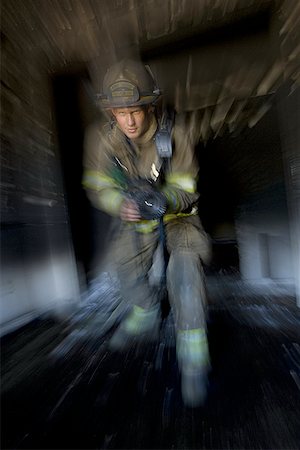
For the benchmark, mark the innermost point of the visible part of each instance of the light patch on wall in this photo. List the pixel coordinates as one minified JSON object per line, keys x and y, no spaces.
{"x":38,"y":287}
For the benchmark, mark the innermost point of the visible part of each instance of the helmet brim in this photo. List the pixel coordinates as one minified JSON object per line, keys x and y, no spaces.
{"x":122,"y":103}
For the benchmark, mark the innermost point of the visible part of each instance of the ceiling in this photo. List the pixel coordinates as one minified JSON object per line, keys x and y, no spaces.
{"x":220,"y":60}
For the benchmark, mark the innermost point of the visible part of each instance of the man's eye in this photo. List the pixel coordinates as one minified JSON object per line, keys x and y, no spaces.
{"x":137,"y":113}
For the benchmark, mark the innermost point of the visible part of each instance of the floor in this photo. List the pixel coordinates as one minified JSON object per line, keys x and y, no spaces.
{"x":63,"y":389}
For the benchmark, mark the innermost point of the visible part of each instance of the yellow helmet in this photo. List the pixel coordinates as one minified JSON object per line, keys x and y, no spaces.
{"x":128,"y":83}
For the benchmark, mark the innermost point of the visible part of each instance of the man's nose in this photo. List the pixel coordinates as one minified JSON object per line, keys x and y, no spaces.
{"x":130,"y":119}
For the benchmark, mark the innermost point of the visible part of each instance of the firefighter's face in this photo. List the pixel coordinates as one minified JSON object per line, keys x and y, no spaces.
{"x":133,"y":121}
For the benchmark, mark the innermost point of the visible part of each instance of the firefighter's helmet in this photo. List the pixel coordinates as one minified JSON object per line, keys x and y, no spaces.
{"x":128,"y":83}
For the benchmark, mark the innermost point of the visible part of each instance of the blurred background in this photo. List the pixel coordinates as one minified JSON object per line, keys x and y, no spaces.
{"x":232,"y":66}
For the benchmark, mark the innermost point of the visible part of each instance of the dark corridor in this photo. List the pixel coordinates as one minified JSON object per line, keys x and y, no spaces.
{"x":70,"y":131}
{"x":73,"y":110}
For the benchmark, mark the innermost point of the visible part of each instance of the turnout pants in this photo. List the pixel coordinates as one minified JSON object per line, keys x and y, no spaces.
{"x":187,"y":245}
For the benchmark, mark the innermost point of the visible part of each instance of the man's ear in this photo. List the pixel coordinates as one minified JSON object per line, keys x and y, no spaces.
{"x":110,"y":116}
{"x":150,"y":109}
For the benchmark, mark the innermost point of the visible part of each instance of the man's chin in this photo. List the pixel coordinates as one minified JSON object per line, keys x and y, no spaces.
{"x":133,"y":135}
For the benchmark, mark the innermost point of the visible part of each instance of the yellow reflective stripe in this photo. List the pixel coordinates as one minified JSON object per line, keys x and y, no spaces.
{"x":92,"y":179}
{"x":172,"y":199}
{"x":169,"y":217}
{"x":182,"y":181}
{"x":192,"y":347}
{"x":110,"y":201}
{"x":147,"y":226}
{"x":195,"y":334}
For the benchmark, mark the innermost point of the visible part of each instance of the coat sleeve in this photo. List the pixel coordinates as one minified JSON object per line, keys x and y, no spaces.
{"x":101,"y":187}
{"x":181,"y":177}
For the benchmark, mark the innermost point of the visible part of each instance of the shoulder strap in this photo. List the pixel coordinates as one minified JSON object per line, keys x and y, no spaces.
{"x":163,"y":138}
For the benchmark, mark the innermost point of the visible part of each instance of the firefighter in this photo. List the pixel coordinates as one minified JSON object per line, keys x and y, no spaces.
{"x":123,"y":153}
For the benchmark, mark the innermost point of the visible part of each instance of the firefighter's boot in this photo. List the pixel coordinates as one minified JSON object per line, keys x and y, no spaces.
{"x":194,"y":363}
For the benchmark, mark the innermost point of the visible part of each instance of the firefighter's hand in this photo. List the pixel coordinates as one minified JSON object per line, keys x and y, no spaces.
{"x":130,"y":211}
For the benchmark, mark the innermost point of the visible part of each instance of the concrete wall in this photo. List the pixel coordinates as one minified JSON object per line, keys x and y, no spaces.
{"x":289,"y":117}
{"x":243,"y":181}
{"x":267,"y":219}
{"x":38,"y":271}
{"x":263,"y":237}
